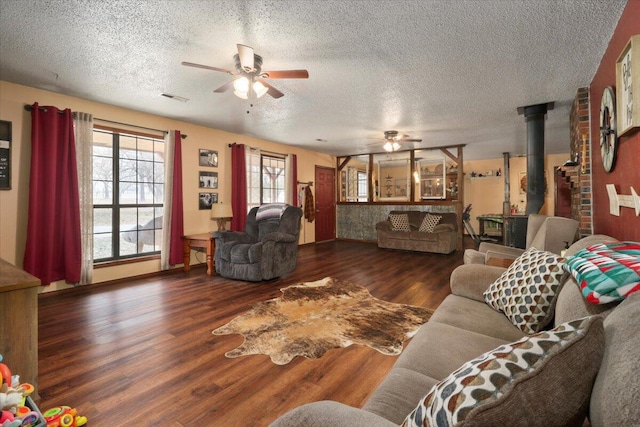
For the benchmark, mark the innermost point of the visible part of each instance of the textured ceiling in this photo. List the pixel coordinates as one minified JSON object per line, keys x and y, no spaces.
{"x":449,"y":72}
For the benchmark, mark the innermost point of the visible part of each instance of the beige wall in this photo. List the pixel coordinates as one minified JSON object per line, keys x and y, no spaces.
{"x":14,"y":203}
{"x":487,"y":194}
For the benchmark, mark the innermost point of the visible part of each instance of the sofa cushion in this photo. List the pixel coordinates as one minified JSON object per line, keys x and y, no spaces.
{"x":607,"y":272}
{"x":399,"y":222}
{"x":397,"y":395}
{"x":475,"y":316}
{"x":544,"y":379}
{"x":438,"y":349}
{"x":443,"y":228}
{"x":571,"y":306}
{"x":527,"y":291}
{"x":429,"y":222}
{"x":325,"y":413}
{"x":616,"y":392}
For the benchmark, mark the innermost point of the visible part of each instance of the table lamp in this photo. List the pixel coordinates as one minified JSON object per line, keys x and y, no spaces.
{"x":221,"y":213}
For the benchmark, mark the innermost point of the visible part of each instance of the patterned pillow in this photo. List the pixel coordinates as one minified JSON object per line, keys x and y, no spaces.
{"x":527,"y":291}
{"x":543,"y":379}
{"x":399,"y":222}
{"x":606,"y":272}
{"x":429,"y":222}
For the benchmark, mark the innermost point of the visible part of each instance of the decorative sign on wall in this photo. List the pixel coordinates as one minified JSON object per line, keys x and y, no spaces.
{"x":5,"y":155}
{"x":628,"y":73}
{"x":616,"y":201}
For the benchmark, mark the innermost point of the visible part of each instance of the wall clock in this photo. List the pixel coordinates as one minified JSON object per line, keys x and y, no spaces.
{"x":628,"y":72}
{"x":608,"y":136}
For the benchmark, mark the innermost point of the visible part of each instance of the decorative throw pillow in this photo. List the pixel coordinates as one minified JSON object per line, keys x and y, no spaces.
{"x":399,"y":222}
{"x":429,"y":222}
{"x":540,"y":380}
{"x":527,"y":291}
{"x":606,"y":272}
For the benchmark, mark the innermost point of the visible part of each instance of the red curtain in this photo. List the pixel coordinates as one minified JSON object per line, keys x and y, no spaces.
{"x":176,"y":254}
{"x":294,"y":178}
{"x":53,"y":249}
{"x":238,"y":187}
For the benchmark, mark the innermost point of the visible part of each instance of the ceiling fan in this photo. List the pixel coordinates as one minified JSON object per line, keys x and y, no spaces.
{"x":251,"y":78}
{"x":392,"y":140}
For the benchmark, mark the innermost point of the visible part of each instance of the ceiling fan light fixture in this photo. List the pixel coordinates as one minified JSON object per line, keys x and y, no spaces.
{"x":241,"y":86}
{"x":387,"y":146}
{"x":241,"y":95}
{"x":396,"y":146}
{"x":259,"y":89}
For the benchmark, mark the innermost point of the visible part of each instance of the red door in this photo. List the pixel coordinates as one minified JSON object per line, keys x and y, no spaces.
{"x":325,"y":204}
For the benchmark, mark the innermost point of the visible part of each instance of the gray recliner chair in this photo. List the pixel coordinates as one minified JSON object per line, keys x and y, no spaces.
{"x":267,"y":249}
{"x":546,"y":233}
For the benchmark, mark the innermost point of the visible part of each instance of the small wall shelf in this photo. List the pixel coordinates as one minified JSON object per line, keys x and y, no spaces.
{"x":484,"y":177}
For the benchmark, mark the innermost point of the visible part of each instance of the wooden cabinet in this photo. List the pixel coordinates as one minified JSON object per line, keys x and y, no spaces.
{"x":19,"y":323}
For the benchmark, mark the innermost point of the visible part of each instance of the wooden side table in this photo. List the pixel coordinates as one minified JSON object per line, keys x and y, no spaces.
{"x":203,"y":241}
{"x":19,"y":323}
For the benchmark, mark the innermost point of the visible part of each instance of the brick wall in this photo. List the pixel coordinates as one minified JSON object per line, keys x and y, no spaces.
{"x":580,"y":176}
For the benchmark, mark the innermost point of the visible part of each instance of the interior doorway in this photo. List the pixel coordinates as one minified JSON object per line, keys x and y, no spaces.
{"x":562,"y":190}
{"x":325,"y":204}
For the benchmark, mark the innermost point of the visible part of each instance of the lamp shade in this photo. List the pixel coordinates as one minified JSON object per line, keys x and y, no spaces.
{"x":221,"y":210}
{"x":259,"y":89}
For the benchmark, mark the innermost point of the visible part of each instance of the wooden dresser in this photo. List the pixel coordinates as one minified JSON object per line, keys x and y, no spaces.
{"x":19,"y":323}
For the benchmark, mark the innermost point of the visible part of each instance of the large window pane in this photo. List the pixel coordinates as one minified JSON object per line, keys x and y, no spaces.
{"x":102,"y":246}
{"x":102,"y":192}
{"x":137,"y":181}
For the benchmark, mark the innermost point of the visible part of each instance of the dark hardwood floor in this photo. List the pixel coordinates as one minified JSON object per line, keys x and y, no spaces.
{"x":141,"y":353}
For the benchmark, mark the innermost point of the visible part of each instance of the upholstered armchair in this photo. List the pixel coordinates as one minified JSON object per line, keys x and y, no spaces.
{"x":547,"y":233}
{"x":268,"y":248}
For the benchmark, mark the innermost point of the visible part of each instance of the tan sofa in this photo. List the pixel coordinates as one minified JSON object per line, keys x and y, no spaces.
{"x":442,"y":240}
{"x":464,"y":326}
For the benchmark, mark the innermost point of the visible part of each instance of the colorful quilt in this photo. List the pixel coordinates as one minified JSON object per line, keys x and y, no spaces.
{"x":606,"y":272}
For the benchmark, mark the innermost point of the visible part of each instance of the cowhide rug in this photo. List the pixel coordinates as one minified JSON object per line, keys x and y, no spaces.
{"x":311,"y":318}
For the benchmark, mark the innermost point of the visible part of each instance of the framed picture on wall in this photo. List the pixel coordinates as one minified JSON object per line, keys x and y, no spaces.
{"x":206,"y":200}
{"x":208,"y":158}
{"x":208,"y":179}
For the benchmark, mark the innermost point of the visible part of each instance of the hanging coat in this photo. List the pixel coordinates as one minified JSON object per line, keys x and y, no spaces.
{"x":309,"y":206}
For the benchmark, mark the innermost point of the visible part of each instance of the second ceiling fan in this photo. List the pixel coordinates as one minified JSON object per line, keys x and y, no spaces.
{"x":251,"y":79}
{"x":392,"y":140}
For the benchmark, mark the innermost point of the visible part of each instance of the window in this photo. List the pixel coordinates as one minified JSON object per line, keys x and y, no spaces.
{"x":363,"y":194}
{"x":128,"y":192}
{"x":265,"y":178}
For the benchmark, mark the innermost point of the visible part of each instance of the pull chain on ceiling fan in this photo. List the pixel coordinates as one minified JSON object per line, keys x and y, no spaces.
{"x":251,"y":79}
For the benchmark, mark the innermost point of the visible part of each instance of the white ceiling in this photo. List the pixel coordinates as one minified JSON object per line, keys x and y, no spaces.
{"x":449,"y":72}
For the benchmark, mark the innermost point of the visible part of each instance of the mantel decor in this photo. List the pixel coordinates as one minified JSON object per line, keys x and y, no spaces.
{"x":628,"y":76}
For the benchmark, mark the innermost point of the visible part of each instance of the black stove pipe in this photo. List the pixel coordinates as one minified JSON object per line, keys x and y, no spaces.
{"x":534,"y":116}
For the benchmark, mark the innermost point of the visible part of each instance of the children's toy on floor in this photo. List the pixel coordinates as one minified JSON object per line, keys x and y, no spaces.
{"x":17,"y":408}
{"x":63,"y":416}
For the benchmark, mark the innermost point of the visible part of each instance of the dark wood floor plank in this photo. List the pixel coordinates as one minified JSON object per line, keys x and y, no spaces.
{"x":141,"y":352}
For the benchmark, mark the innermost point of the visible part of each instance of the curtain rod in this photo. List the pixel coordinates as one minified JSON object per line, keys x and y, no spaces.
{"x":268,"y":153}
{"x":183,"y":136}
{"x":309,"y":183}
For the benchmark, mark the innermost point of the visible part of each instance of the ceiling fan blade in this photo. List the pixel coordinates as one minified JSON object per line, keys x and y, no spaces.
{"x":286,"y":74}
{"x":225,"y":87}
{"x":271,"y":90}
{"x":207,"y":67}
{"x":245,"y":53}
